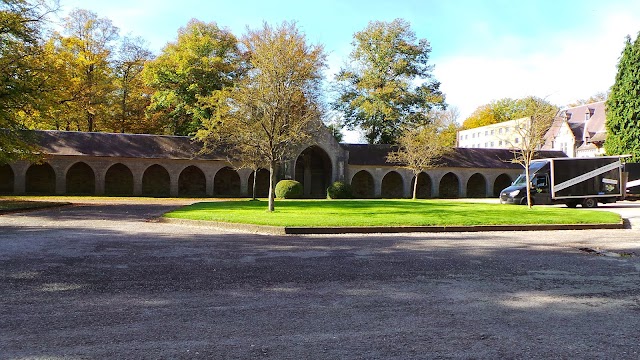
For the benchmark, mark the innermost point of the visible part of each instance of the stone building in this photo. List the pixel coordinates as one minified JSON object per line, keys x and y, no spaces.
{"x":504,"y":135}
{"x":578,"y":131}
{"x":153,"y":165}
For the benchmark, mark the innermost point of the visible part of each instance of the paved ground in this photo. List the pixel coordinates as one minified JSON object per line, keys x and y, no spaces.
{"x":98,"y":281}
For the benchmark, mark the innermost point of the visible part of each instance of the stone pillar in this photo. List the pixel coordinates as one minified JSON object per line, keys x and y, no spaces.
{"x":173,"y":182}
{"x":408,"y":185}
{"x":377,"y":183}
{"x":137,"y":180}
{"x":435,"y":185}
{"x":462,"y":186}
{"x":244,"y":181}
{"x":19,"y":176}
{"x":61,"y":180}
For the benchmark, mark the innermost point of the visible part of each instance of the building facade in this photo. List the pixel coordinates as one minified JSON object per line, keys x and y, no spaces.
{"x":504,"y":135}
{"x":578,"y":131}
{"x":78,"y":163}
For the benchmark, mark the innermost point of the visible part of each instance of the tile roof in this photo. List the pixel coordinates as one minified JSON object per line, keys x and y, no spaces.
{"x":120,"y":145}
{"x":376,"y":155}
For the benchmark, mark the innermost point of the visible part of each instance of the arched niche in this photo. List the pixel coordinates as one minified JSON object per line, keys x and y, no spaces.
{"x":156,"y":181}
{"x":392,"y":186}
{"x":477,"y":186}
{"x":40,"y":180}
{"x":118,"y":181}
{"x":362,"y":185}
{"x":192,"y":182}
{"x":80,"y":180}
{"x":226,"y":183}
{"x":449,"y":187}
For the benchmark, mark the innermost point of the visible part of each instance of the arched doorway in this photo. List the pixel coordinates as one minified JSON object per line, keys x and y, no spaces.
{"x":449,"y":186}
{"x":118,"y":181}
{"x":7,"y":178}
{"x":40,"y":180}
{"x":362,"y":185}
{"x":81,"y":180}
{"x":262,"y":184}
{"x":156,"y":181}
{"x":313,"y":171}
{"x":503,"y":181}
{"x":192,"y":182}
{"x":477,"y":186}
{"x":392,"y":186}
{"x":424,"y":186}
{"x":226,"y":183}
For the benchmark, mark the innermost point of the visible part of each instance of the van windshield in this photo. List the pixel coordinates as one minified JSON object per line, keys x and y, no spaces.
{"x":533,"y":169}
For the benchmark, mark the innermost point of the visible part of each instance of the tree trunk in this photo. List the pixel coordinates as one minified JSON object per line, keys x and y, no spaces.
{"x":415,"y":187}
{"x":272,"y":179}
{"x":526,"y":174}
{"x":255,"y":175}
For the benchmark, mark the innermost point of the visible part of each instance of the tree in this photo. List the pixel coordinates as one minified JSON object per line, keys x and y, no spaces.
{"x":131,"y":97}
{"x":421,"y":149}
{"x":506,"y":109}
{"x":203,"y":59}
{"x":623,"y":105}
{"x":275,"y":107}
{"x":531,"y":138}
{"x":377,"y":91}
{"x":597,"y":97}
{"x":22,"y":76}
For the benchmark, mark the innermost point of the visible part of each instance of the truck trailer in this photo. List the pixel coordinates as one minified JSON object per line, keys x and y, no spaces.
{"x":570,"y":181}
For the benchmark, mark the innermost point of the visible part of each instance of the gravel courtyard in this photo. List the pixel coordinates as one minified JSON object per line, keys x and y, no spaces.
{"x":103,"y":281}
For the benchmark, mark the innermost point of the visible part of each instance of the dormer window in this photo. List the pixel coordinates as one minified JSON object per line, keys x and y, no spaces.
{"x":587,"y":115}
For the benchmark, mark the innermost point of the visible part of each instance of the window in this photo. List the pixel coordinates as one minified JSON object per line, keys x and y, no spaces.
{"x":486,"y":133}
{"x":517,"y":140}
{"x":473,"y":136}
{"x":500,"y":143}
{"x":492,"y":131}
{"x":500,"y":131}
{"x":486,"y":144}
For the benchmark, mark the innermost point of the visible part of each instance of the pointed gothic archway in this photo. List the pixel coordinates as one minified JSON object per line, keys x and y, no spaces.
{"x":192,"y":182}
{"x":362,"y":185}
{"x":392,"y":186}
{"x":156,"y":181}
{"x":502,"y":181}
{"x":424,"y":186}
{"x":7,"y":179}
{"x":81,"y":180}
{"x":226,"y":183}
{"x":262,"y":184}
{"x":313,"y":171}
{"x":40,"y":180}
{"x":449,"y":186}
{"x":118,"y":181}
{"x":477,"y":186}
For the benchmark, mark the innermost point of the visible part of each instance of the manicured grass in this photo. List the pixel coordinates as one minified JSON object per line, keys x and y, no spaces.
{"x":10,"y":205}
{"x":318,"y":213}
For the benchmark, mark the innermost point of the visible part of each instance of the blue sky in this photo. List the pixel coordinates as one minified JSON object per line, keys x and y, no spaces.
{"x":562,"y":50}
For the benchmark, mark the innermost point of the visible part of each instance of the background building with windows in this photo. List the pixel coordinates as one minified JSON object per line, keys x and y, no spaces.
{"x":504,"y":135}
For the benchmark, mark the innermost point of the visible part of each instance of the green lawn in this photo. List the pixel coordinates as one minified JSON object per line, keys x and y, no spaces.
{"x":9,"y":205}
{"x":317,"y":213}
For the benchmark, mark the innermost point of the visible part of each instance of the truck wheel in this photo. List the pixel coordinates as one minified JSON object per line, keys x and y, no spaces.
{"x":571,"y":204}
{"x":589,"y":203}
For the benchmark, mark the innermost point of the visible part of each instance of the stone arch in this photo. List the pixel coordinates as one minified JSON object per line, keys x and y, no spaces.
{"x":262,"y":183}
{"x":392,"y":186}
{"x":449,"y":186}
{"x":424,"y":186}
{"x":502,"y":181}
{"x":156,"y":181}
{"x":192,"y":182}
{"x":477,"y":186}
{"x":40,"y":179}
{"x":7,"y":179}
{"x":118,"y":180}
{"x":362,"y":185}
{"x":226,"y":183}
{"x":313,"y":170}
{"x":80,"y":179}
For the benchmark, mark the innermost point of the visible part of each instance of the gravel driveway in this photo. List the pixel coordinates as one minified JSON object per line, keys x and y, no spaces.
{"x":100,"y":281}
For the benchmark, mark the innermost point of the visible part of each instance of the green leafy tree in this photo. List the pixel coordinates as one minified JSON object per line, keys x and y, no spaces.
{"x":203,"y":59}
{"x":275,"y":107}
{"x":81,"y":57}
{"x":623,"y":105}
{"x":420,"y":149}
{"x":377,"y":91}
{"x":131,"y":96}
{"x":506,"y":109}
{"x":22,"y":72}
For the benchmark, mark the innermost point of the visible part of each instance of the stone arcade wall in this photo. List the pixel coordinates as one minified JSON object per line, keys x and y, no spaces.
{"x":148,"y":165}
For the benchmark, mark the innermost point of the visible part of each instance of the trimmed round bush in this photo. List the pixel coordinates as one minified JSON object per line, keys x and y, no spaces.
{"x":288,"y":189}
{"x":339,"y":190}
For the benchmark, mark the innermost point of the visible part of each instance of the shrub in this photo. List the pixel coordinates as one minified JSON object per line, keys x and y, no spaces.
{"x":288,"y":189}
{"x":339,"y":190}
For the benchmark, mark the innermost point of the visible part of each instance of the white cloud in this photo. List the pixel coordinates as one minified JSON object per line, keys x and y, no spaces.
{"x":567,"y":68}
